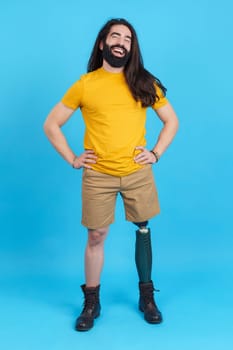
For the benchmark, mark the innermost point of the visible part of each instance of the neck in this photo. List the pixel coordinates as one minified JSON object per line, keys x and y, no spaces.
{"x":111,"y":69}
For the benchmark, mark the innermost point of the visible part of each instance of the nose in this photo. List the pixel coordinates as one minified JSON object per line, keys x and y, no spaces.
{"x":121,"y":41}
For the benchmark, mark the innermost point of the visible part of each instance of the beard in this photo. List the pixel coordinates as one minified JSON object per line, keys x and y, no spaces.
{"x":113,"y":60}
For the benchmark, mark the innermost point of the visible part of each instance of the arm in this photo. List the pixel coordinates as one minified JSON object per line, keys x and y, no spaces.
{"x":59,"y":115}
{"x":170,"y":125}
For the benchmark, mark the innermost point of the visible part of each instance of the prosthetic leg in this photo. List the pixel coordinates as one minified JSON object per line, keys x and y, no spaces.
{"x":143,"y":259}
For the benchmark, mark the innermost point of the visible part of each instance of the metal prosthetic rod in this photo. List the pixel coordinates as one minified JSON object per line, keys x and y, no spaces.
{"x":143,"y":252}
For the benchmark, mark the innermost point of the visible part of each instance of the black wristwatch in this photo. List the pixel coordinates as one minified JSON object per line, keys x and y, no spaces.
{"x":157,"y":156}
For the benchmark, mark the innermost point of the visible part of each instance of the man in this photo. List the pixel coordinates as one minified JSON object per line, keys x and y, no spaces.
{"x":113,"y":97}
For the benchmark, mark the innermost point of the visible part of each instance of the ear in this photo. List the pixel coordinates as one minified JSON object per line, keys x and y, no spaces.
{"x":101,"y":45}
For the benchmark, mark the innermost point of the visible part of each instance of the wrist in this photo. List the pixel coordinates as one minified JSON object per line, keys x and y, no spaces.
{"x":74,"y":159}
{"x":156,"y":155}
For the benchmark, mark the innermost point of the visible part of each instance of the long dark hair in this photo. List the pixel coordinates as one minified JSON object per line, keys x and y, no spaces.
{"x":140,"y":81}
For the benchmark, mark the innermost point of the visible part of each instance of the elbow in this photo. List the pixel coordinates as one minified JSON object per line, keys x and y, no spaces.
{"x":177,"y":124}
{"x":173,"y":125}
{"x":51,"y":129}
{"x":46,"y":127}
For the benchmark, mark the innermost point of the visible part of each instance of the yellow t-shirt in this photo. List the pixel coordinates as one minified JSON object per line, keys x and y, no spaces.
{"x":115,"y":122}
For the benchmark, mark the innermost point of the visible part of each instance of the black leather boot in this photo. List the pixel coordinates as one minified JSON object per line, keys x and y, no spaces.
{"x":147,"y":303}
{"x":91,"y":309}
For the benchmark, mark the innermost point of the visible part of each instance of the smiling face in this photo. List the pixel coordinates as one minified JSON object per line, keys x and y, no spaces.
{"x":120,"y":37}
{"x":117,"y":46}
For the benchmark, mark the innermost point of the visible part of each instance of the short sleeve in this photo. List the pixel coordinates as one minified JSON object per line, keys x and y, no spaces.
{"x":73,"y":95}
{"x":162,"y":99}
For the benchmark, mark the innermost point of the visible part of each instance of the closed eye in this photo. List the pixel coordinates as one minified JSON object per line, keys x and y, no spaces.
{"x":128,"y":39}
{"x":115,"y":35}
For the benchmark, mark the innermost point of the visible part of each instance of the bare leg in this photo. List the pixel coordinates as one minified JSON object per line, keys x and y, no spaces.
{"x":94,"y":256}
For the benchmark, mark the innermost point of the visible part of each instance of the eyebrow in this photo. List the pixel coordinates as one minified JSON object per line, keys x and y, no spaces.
{"x":118,"y":34}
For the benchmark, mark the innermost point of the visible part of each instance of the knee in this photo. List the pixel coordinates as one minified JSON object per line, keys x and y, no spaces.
{"x":96,"y":237}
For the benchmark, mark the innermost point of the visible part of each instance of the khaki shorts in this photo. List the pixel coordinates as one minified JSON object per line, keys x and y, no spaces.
{"x":99,"y":192}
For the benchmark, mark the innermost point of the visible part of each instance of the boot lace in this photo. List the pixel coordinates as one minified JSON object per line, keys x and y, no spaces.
{"x":149,"y":296}
{"x":89,"y":303}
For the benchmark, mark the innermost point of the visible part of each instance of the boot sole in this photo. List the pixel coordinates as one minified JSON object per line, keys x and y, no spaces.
{"x":85,"y":329}
{"x":151,"y":322}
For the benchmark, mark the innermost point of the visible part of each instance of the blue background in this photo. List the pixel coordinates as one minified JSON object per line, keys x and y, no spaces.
{"x":45,"y":47}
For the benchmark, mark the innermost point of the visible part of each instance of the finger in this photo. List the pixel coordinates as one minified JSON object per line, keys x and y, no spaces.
{"x":87,"y":166}
{"x":140,"y":156}
{"x":143,"y":158}
{"x":90,"y":156}
{"x":143,"y":162}
{"x":93,"y":161}
{"x":140,"y":147}
{"x":89,"y":151}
